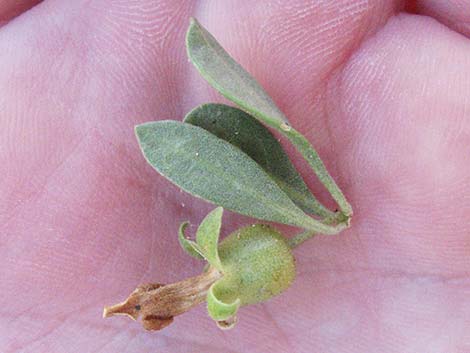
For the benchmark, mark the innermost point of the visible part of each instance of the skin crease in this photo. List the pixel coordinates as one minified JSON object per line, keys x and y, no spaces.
{"x":12,"y":8}
{"x":382,"y":95}
{"x":453,"y":13}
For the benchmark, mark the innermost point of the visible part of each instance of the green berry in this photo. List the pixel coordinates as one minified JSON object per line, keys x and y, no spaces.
{"x":257,"y":264}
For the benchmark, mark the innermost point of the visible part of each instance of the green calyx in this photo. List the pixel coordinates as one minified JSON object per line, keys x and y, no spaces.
{"x":255,"y":263}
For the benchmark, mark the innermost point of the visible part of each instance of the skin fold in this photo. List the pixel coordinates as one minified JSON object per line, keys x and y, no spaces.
{"x":382,"y":94}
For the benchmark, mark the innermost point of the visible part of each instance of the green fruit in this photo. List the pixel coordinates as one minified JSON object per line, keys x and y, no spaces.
{"x":257,"y":264}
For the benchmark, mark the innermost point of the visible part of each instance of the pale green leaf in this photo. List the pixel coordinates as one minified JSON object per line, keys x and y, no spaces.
{"x":216,"y":307}
{"x":229,"y":77}
{"x":207,"y":237}
{"x":235,"y":83}
{"x":215,"y":170}
{"x":189,"y":246}
{"x":245,"y":132}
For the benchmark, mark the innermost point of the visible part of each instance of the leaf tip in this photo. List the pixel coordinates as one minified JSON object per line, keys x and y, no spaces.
{"x":183,"y":226}
{"x":139,"y":130}
{"x":219,"y":211}
{"x":193,"y":21}
{"x":188,"y":245}
{"x":193,"y":24}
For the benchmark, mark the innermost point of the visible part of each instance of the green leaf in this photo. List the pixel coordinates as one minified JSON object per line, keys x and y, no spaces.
{"x":217,"y":308}
{"x":213,"y":169}
{"x":189,"y":246}
{"x":235,"y":83}
{"x":245,"y":132}
{"x":207,"y":237}
{"x":228,"y":77}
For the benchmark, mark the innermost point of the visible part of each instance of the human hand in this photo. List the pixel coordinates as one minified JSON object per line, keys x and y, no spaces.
{"x":84,"y":219}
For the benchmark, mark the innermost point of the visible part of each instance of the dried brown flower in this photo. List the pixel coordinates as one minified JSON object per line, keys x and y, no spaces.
{"x":157,"y":304}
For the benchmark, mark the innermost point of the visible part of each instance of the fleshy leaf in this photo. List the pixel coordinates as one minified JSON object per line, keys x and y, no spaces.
{"x":215,"y":170}
{"x":189,"y":246}
{"x":217,"y":308}
{"x":207,"y":236}
{"x":229,"y":77}
{"x":245,"y":132}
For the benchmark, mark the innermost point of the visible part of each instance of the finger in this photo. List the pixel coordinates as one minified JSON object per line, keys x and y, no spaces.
{"x":317,"y":36}
{"x":403,"y":116}
{"x":9,"y":9}
{"x":453,"y":13}
{"x":399,"y":112}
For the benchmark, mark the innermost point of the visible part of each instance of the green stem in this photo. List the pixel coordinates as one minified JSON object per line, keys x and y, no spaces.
{"x":342,"y":222}
{"x":298,"y":239}
{"x":324,"y":226}
{"x":313,"y":159}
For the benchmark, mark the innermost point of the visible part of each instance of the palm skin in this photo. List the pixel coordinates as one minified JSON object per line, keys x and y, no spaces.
{"x":84,"y":219}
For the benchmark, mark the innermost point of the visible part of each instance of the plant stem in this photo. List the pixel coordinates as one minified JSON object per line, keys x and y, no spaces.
{"x":298,"y":239}
{"x":325,"y":226}
{"x":342,"y":222}
{"x":311,"y":156}
{"x":328,"y":226}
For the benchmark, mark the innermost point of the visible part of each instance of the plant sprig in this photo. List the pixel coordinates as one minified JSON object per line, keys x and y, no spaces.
{"x":228,"y":156}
